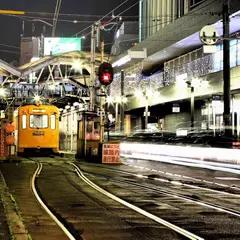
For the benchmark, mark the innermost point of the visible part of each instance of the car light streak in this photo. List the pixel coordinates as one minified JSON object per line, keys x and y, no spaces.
{"x":186,"y":156}
{"x":187,"y":153}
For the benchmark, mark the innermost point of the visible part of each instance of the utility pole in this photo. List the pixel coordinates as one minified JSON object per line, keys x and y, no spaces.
{"x":146,"y":112}
{"x":192,"y":107}
{"x":226,"y":69}
{"x":102,"y":99}
{"x":92,"y":76}
{"x":122,"y":105}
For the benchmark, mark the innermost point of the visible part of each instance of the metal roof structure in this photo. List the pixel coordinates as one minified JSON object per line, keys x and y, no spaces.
{"x":68,"y":87}
{"x":64,"y":59}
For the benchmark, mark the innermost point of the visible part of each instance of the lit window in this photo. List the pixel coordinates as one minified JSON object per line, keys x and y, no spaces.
{"x":24,"y":121}
{"x":38,"y":121}
{"x":53,"y":122}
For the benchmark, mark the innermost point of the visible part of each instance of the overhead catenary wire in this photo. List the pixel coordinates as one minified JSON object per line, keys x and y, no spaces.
{"x":55,"y":18}
{"x":76,"y":34}
{"x":9,"y":51}
{"x":9,"y":46}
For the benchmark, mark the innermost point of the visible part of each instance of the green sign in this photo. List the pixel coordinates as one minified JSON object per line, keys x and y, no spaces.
{"x":61,"y":45}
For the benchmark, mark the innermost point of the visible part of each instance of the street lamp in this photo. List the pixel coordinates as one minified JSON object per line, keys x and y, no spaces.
{"x":192,"y":84}
{"x":117,"y":100}
{"x":146,"y":95}
{"x":40,"y":20}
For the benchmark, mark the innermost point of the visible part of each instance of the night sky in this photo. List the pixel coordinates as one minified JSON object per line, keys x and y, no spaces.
{"x":11,"y":27}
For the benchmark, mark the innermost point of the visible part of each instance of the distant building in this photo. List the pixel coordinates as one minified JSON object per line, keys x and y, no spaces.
{"x":30,"y":48}
{"x":156,"y":14}
{"x":126,"y":37}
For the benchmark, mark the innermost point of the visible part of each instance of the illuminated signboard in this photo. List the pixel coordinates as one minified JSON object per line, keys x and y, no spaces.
{"x":61,"y":45}
{"x":111,"y":153}
{"x":3,"y":147}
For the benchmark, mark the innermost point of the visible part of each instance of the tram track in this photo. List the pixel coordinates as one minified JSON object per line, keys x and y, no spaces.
{"x":167,"y":224}
{"x":21,"y":179}
{"x":172,"y":194}
{"x":168,"y":194}
{"x":57,"y":183}
{"x":44,"y":206}
{"x":149,"y":216}
{"x":180,"y":180}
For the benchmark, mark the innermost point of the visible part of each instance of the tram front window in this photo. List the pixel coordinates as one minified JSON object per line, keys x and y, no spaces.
{"x":38,"y":121}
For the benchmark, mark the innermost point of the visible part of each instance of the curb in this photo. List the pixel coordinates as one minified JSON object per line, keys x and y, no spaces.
{"x":17,"y":228}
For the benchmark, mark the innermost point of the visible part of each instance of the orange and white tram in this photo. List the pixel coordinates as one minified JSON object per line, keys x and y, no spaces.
{"x":37,"y":128}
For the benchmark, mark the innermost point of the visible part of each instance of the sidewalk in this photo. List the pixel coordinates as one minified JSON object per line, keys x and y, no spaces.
{"x":10,"y":222}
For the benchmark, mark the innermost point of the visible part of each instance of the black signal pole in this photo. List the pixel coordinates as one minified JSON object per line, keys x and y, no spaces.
{"x":226,"y":69}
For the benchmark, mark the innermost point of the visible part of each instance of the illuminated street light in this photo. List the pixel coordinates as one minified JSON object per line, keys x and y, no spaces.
{"x":124,"y":100}
{"x":148,"y":94}
{"x":195,"y":83}
{"x":118,"y":99}
{"x":2,"y":92}
{"x":156,"y":94}
{"x":183,"y":82}
{"x":37,"y":98}
{"x":138,"y":94}
{"x":109,"y":99}
{"x":204,"y":84}
{"x":77,"y":65}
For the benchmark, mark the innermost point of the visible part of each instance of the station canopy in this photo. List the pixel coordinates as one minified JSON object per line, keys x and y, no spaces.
{"x":63,"y":59}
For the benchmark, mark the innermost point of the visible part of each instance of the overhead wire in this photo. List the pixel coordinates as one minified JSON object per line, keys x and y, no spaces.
{"x":9,"y":46}
{"x":44,"y":18}
{"x":55,"y":18}
{"x":9,"y":51}
{"x":76,"y":34}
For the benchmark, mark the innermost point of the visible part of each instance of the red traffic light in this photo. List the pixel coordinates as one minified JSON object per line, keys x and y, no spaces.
{"x":106,"y":77}
{"x":105,"y":73}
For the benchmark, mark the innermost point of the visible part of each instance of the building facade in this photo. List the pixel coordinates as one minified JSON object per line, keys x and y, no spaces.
{"x":156,"y":14}
{"x":178,"y":52}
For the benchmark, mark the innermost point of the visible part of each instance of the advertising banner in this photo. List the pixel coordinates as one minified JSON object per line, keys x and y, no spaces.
{"x":3,"y":145}
{"x":111,"y":153}
{"x":61,"y":45}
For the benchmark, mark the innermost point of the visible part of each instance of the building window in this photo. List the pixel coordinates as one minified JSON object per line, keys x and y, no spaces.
{"x":195,"y":3}
{"x":38,"y":121}
{"x":24,"y":121}
{"x":53,"y":122}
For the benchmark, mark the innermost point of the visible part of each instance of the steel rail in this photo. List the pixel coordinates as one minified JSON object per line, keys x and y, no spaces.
{"x":33,"y":182}
{"x":175,"y":228}
{"x":180,"y":196}
{"x":173,"y":181}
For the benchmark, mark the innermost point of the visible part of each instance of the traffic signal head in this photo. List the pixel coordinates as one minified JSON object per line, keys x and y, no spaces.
{"x":105,"y":73}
